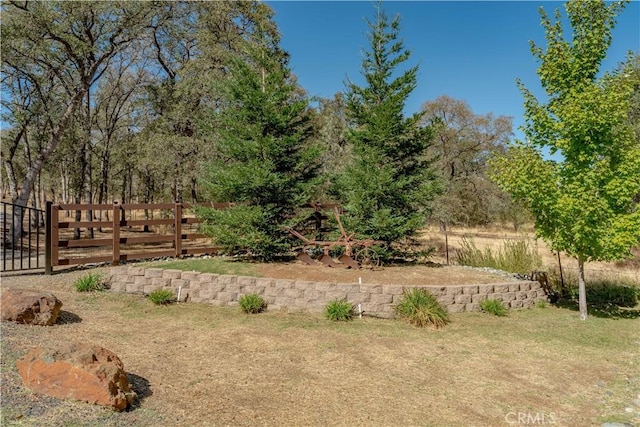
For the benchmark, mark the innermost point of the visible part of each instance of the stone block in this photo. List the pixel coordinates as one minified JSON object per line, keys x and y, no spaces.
{"x":498,"y":297}
{"x":191,"y":276}
{"x":264,"y":282}
{"x":535,"y":285}
{"x":285,"y":284}
{"x":208,"y":278}
{"x":161,"y":282}
{"x":294,"y":293}
{"x":303,"y":284}
{"x":446,"y":299}
{"x":372,"y":289}
{"x":176,"y":283}
{"x":472,"y":307}
{"x":462,"y":299}
{"x":541,"y":293}
{"x":509,"y":296}
{"x":141,"y":280}
{"x":226,"y":279}
{"x":525,"y":286}
{"x":231,"y":287}
{"x":532,"y":294}
{"x":358,"y":297}
{"x":392,"y":290}
{"x":528,"y":303}
{"x":153,"y":272}
{"x":313,"y":294}
{"x":381,"y":299}
{"x":485,"y":289}
{"x":514,"y":287}
{"x":336,"y":295}
{"x":471,"y":290}
{"x":436,"y":291}
{"x":133,"y":288}
{"x":325,"y":286}
{"x":456,"y":308}
{"x":246,"y":281}
{"x":454,"y":290}
{"x":397,"y":298}
{"x":171,"y":274}
{"x":522,"y":295}
{"x":516,"y":304}
{"x":226,"y":297}
{"x":118,"y":287}
{"x":501,"y":289}
{"x":348,"y":287}
{"x":478,"y":298}
{"x":135,"y":271}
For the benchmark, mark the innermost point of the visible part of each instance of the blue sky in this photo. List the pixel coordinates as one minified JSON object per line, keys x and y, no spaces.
{"x":470,"y":50}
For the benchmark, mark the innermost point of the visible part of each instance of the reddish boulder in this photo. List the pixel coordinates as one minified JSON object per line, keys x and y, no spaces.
{"x":31,"y":307}
{"x":78,"y":371}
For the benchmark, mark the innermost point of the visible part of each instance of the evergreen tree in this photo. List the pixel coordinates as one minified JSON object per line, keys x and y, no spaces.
{"x":388,"y":187}
{"x":265,"y":163}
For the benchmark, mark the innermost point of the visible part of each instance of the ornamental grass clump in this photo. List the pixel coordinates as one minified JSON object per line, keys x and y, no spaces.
{"x":340,"y":310}
{"x":252,"y":303}
{"x":493,"y":306}
{"x":162,"y":297}
{"x":92,"y":282}
{"x":420,"y":308}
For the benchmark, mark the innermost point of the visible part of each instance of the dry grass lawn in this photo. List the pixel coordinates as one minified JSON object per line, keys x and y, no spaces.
{"x":198,"y":365}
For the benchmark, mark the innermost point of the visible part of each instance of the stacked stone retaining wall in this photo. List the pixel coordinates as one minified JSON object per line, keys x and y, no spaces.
{"x":375,"y":300}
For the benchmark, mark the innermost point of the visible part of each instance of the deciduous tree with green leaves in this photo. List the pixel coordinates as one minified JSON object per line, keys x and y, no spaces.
{"x":584,"y":204}
{"x":388,"y":187}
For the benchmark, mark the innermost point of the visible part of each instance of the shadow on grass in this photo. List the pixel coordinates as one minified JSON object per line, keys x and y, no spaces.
{"x":67,"y":318}
{"x":605,"y":311}
{"x":141,"y":386}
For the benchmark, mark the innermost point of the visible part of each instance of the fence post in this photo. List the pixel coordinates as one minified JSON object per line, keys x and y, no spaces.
{"x":115,"y":260}
{"x":177,"y":215}
{"x":48,"y":266}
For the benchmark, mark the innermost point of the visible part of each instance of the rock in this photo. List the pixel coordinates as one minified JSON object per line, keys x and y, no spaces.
{"x":30,"y":307}
{"x":78,"y":371}
{"x":616,"y":425}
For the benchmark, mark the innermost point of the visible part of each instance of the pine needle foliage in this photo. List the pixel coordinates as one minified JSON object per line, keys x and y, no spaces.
{"x":266,"y":162}
{"x":387,"y":188}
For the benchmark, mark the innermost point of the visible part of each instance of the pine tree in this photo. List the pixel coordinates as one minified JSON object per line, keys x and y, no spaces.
{"x":387,"y":189}
{"x":265,"y":162}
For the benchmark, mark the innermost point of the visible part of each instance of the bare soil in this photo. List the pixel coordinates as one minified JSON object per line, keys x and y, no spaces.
{"x":408,"y":275}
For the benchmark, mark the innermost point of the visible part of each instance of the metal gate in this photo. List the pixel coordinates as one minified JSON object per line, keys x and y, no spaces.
{"x":23,"y":237}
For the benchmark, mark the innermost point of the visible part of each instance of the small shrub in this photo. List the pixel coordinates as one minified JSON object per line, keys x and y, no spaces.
{"x":252,"y":303}
{"x":92,"y":282}
{"x":420,"y":308}
{"x":541,"y":304}
{"x":162,"y":297}
{"x":340,"y":310}
{"x":494,"y":307}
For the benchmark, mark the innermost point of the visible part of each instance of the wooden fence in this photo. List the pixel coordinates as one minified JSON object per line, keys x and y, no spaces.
{"x":115,"y":233}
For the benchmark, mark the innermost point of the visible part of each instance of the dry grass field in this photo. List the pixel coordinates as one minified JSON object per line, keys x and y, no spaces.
{"x":628,"y":270}
{"x":198,"y":365}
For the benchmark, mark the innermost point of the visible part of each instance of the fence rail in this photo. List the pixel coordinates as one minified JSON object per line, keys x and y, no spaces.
{"x":176,"y":232}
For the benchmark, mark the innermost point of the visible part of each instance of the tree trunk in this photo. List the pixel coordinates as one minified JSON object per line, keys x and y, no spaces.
{"x":582,"y":290}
